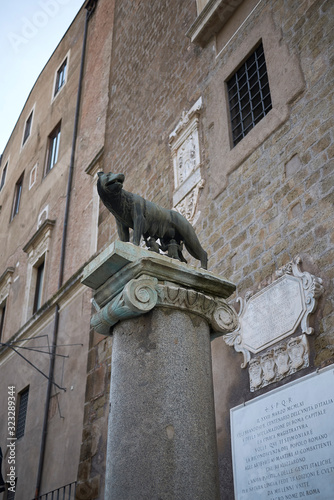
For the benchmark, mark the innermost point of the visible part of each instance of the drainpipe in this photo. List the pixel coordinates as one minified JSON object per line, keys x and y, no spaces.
{"x":90,"y":7}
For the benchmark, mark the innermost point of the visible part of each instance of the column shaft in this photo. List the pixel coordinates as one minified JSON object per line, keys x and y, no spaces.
{"x":161,"y":431}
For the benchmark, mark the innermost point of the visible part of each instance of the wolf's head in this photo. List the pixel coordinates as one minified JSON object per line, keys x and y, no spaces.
{"x":110,"y":183}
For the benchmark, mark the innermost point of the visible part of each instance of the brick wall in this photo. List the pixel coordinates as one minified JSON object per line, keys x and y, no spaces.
{"x":273,"y":205}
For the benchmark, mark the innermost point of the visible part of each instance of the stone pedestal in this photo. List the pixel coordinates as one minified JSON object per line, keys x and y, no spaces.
{"x":162,"y":315}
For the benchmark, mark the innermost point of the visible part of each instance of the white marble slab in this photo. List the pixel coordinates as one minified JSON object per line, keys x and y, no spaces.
{"x":283,"y":442}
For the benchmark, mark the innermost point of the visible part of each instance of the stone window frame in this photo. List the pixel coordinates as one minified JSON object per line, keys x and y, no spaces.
{"x":17,"y":197}
{"x":37,"y":249}
{"x":5,"y":285}
{"x":56,"y":90}
{"x":286,"y":83}
{"x":27,"y":129}
{"x":51,"y":159}
{"x":4,"y":171}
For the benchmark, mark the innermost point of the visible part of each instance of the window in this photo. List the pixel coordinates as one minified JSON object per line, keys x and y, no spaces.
{"x":22,"y":413}
{"x":27,"y":128}
{"x":17,"y":197}
{"x":53,"y":149}
{"x":249,"y":95}
{"x":60,"y":77}
{"x":2,"y":318}
{"x":3,"y":176}
{"x":39,"y":287}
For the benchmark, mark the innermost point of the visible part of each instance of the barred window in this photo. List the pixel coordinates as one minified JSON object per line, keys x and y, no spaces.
{"x":249,"y":95}
{"x":22,"y":413}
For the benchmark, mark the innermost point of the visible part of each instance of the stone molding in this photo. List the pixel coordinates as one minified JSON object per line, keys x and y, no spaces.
{"x":39,"y":243}
{"x":121,"y":261}
{"x":276,"y":364}
{"x":5,"y":283}
{"x":211,"y":19}
{"x":144,"y":293}
{"x":307,"y":290}
{"x":37,"y":249}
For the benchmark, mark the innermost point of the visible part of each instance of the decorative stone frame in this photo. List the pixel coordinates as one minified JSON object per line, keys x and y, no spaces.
{"x":37,"y":248}
{"x":185,"y":149}
{"x":270,"y":309}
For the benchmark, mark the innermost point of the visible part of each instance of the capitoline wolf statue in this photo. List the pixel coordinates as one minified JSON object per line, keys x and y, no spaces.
{"x":148,"y":220}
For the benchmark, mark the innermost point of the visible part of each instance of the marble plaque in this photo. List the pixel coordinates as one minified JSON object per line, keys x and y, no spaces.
{"x":275,"y":312}
{"x":283,"y":442}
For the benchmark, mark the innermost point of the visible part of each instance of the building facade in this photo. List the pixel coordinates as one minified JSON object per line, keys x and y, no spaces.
{"x":49,"y":212}
{"x":220,"y":109}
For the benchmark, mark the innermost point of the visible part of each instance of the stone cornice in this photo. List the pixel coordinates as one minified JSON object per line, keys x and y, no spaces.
{"x":210,"y":21}
{"x":130,"y":281}
{"x":39,"y":235}
{"x":5,"y":275}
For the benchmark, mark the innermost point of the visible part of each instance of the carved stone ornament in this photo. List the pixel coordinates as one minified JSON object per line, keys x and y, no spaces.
{"x":185,"y":150}
{"x":143,"y":294}
{"x":275,"y":312}
{"x":188,"y":205}
{"x":279,"y":362}
{"x":138,"y":297}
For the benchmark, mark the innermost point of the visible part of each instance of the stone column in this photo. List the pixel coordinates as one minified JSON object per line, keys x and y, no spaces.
{"x":161,"y":429}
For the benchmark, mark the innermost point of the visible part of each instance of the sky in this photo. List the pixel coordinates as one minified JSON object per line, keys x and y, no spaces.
{"x":30,"y":30}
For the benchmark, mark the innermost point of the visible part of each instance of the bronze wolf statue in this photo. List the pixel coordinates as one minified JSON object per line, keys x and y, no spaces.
{"x":148,"y":220}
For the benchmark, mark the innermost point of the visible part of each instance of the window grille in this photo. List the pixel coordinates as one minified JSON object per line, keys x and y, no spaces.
{"x":249,"y":95}
{"x":22,"y":413}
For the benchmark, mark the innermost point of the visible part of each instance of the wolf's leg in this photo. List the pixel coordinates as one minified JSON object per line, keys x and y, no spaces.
{"x":123,"y":231}
{"x":204,"y":260}
{"x":138,"y":225}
